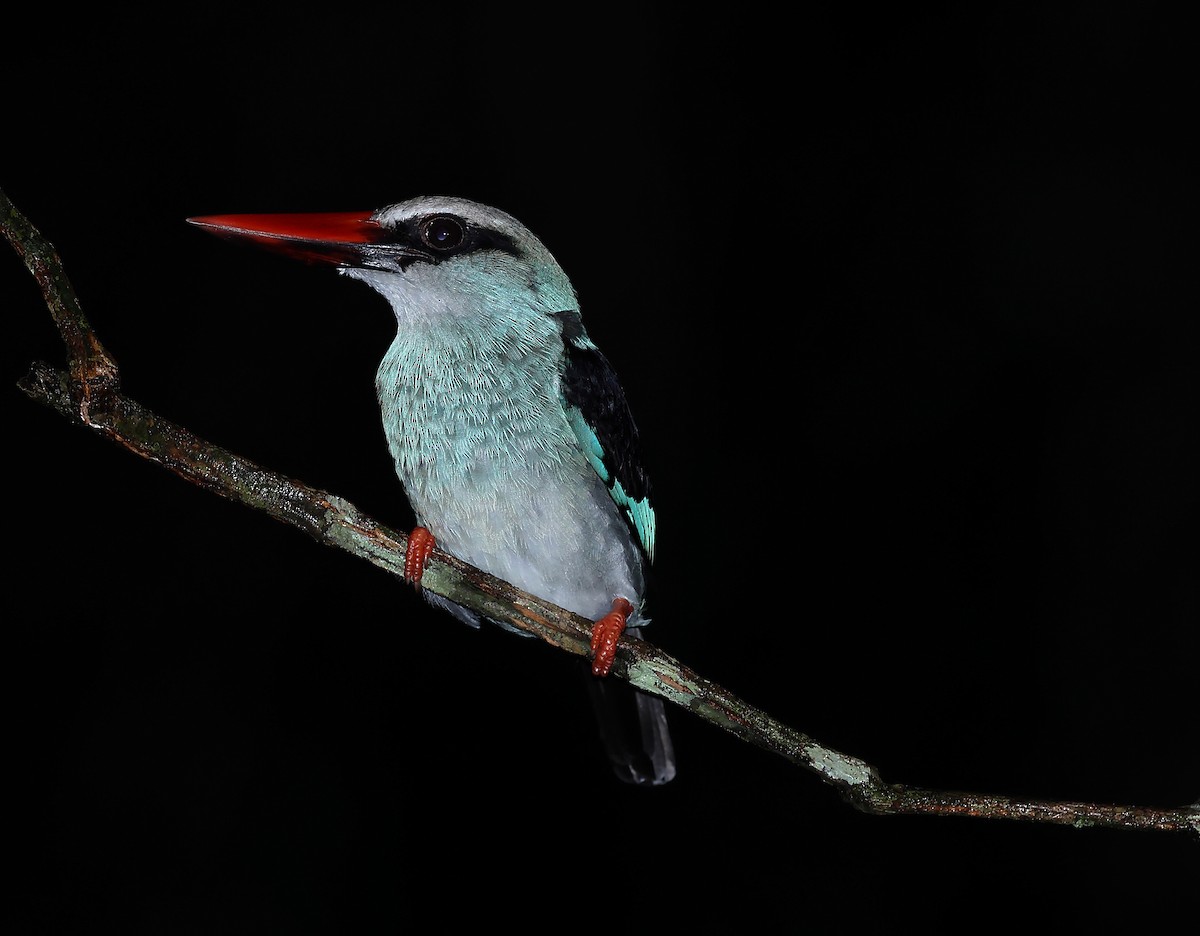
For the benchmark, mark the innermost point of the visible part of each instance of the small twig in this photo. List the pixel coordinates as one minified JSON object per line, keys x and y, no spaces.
{"x":93,"y":371}
{"x":329,"y":519}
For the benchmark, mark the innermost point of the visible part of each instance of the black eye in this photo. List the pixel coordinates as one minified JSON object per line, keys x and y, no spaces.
{"x":442,"y":232}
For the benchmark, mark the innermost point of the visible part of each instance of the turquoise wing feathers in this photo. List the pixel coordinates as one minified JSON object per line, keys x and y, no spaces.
{"x":603,"y":423}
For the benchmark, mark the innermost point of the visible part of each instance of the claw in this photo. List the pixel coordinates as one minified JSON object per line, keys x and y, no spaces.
{"x":605,"y":634}
{"x":420,"y":545}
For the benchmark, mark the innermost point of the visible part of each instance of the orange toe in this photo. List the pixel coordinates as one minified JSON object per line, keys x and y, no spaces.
{"x":605,"y":634}
{"x":420,"y":545}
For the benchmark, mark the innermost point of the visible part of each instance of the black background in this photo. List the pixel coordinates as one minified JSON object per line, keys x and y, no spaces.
{"x":902,"y":303}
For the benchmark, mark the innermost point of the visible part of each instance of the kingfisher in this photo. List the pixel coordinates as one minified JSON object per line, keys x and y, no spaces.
{"x":509,"y":429}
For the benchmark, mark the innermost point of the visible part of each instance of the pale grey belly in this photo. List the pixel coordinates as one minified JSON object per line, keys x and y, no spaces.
{"x":550,"y":529}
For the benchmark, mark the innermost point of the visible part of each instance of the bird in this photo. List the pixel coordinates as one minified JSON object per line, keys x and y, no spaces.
{"x":509,"y":429}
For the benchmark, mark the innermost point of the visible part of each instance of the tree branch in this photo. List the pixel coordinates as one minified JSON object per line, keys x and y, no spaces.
{"x":88,"y":393}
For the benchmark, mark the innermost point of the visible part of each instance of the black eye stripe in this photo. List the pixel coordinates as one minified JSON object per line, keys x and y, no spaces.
{"x":439,"y":237}
{"x":442,"y":232}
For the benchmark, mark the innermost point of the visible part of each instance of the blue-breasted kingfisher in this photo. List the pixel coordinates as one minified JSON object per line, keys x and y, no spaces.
{"x":510,"y":432}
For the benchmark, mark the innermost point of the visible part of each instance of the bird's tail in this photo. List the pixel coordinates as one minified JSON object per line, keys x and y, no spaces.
{"x":634,"y":731}
{"x":633,"y":724}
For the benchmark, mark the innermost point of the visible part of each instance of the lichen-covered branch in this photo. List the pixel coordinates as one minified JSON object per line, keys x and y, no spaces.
{"x":88,"y":393}
{"x":93,"y":372}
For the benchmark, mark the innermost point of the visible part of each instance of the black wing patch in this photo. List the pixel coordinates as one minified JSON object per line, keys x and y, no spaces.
{"x":604,"y":425}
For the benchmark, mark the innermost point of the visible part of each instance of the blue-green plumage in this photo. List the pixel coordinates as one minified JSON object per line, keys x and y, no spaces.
{"x":604,"y":427}
{"x":507,"y":425}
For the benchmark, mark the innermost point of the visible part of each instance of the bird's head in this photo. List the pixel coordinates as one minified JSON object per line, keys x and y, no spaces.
{"x":429,"y":256}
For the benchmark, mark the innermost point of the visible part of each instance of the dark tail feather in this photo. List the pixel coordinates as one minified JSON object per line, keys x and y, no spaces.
{"x":633,"y":728}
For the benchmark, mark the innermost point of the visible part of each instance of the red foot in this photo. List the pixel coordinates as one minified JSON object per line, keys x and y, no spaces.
{"x":605,"y":633}
{"x":420,"y":544}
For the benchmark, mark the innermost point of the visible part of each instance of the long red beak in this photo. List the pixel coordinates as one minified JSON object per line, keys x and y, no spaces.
{"x":323,"y":237}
